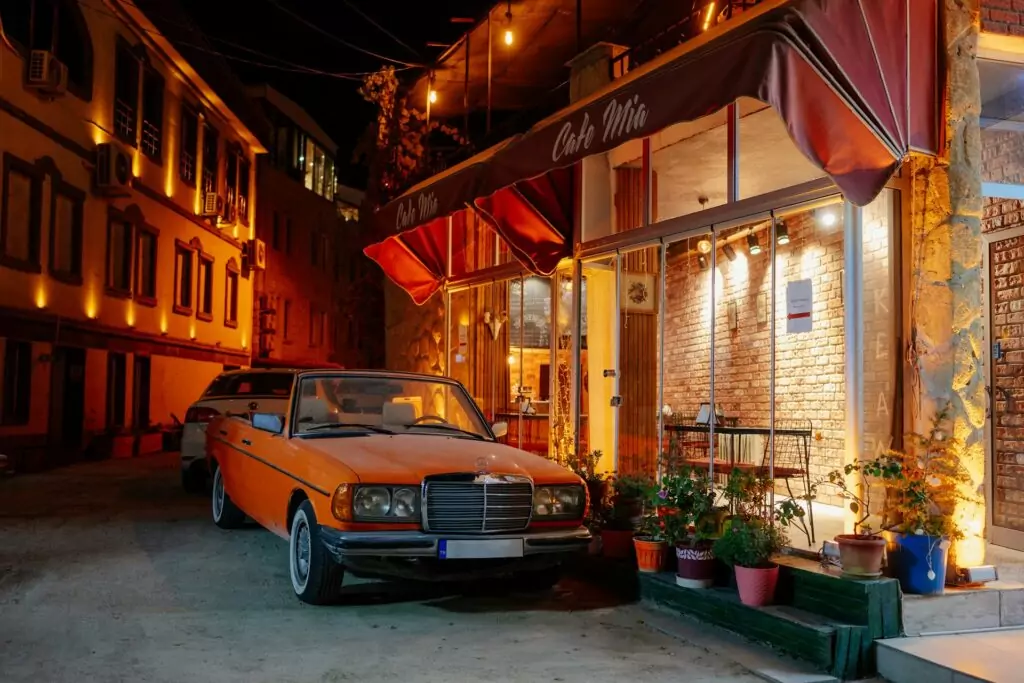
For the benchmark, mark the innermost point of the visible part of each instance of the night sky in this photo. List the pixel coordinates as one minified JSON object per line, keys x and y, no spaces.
{"x":263,"y":32}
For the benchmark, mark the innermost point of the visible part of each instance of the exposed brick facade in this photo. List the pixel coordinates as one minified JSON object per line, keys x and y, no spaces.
{"x":810,"y":367}
{"x":1003,"y":162}
{"x":1003,"y":16}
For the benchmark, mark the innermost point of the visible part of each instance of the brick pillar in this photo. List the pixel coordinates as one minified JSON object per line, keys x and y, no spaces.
{"x":947,"y":333}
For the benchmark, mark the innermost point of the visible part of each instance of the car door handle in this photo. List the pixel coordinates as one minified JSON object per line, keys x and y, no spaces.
{"x":224,"y":432}
{"x":246,"y":442}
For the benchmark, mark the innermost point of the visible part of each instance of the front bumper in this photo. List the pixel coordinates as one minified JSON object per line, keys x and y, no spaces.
{"x":412,"y":544}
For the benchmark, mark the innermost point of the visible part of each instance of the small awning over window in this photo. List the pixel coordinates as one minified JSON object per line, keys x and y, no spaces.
{"x":415,"y":259}
{"x":855,"y":82}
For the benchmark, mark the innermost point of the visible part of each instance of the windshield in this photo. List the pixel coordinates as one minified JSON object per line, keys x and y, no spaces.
{"x":329,"y":403}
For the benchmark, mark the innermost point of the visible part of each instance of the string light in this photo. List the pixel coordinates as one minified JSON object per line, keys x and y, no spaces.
{"x":509,"y":38}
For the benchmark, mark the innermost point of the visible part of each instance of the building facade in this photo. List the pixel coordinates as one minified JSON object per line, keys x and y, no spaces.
{"x":128,"y":209}
{"x":737,"y":260}
{"x":308,"y":309}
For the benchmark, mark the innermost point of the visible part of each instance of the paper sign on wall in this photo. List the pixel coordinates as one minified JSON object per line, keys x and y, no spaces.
{"x":799,"y":301}
{"x":463,"y":350}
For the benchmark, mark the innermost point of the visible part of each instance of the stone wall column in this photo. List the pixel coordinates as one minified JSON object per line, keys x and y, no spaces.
{"x":947,"y":331}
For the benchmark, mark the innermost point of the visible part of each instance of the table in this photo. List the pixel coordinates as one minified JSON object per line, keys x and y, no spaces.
{"x":796,"y":463}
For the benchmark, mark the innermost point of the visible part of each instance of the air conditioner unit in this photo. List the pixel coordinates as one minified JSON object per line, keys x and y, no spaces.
{"x":113,"y":170}
{"x":213,"y":205}
{"x":256,"y":254}
{"x":46,"y":73}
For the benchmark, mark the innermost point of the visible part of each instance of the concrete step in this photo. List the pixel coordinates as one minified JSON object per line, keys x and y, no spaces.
{"x":993,"y":656}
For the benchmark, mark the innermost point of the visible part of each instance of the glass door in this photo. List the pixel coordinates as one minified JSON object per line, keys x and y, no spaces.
{"x":599,"y":386}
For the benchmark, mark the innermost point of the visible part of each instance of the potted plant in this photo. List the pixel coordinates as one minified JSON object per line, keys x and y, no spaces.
{"x":923,"y":503}
{"x":622,"y":516}
{"x":862,"y":552}
{"x":748,"y":546}
{"x":650,"y":544}
{"x":691,"y":496}
{"x":598,"y":512}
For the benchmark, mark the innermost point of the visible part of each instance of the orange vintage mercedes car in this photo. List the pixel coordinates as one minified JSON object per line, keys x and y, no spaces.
{"x":395,"y":475}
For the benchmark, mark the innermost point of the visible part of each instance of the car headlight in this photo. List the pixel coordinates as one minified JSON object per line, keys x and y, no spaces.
{"x":372,"y":501}
{"x":559,"y":502}
{"x":385,"y":504}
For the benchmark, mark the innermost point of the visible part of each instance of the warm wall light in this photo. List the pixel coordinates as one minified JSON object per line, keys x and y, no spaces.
{"x":781,"y":233}
{"x":729,"y":252}
{"x":129,"y":316}
{"x":708,"y":14}
{"x":753,"y":246}
{"x":40,"y":296}
{"x":827,"y":217}
{"x":511,"y":359}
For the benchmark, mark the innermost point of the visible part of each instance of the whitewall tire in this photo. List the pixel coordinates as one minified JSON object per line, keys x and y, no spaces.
{"x":225,"y":513}
{"x":316,"y":577}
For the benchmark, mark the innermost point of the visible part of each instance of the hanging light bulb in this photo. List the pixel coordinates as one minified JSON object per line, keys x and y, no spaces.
{"x":781,"y":234}
{"x":432,"y":96}
{"x":509,"y":38}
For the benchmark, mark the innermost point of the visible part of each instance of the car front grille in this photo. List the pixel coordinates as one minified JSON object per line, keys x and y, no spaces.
{"x":474,"y":504}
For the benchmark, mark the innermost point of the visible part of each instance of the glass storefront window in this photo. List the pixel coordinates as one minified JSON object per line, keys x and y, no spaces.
{"x":689,"y":161}
{"x":768,"y":158}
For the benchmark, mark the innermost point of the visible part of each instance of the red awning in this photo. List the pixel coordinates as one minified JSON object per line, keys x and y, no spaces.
{"x":414,"y":259}
{"x":534,"y":217}
{"x":838,"y":72}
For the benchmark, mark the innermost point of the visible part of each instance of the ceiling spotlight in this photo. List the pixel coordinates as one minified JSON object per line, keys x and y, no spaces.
{"x":753,"y":246}
{"x":729,"y":252}
{"x":702,"y":261}
{"x":827,"y":217}
{"x":704,"y":247}
{"x":781,"y":233}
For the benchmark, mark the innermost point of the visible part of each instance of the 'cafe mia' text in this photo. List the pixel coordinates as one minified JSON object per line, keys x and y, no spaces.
{"x":617,"y":121}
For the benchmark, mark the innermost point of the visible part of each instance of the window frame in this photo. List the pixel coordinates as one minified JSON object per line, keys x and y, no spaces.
{"x":62,"y":188}
{"x":82,"y":89}
{"x":203,"y":286}
{"x":214,"y":169}
{"x":244,"y":174}
{"x":179,"y":308}
{"x":130,"y":137}
{"x":190,"y":114}
{"x":154,"y":152}
{"x":232,"y":279}
{"x":144,"y":299}
{"x":21,"y":412}
{"x":114,"y":216}
{"x":15,"y":164}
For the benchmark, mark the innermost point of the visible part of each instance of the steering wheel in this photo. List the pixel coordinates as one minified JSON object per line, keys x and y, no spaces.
{"x":424,"y":418}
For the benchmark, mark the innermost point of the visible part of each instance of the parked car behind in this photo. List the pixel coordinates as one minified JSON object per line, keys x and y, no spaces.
{"x":233,"y":393}
{"x":393,"y":475}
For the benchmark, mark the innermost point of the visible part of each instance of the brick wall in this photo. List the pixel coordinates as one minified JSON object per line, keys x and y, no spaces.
{"x":1003,"y":16}
{"x":810,"y":367}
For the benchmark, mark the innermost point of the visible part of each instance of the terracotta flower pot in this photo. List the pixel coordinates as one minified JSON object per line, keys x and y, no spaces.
{"x":756,"y":586}
{"x":695,"y":566}
{"x":617,"y":544}
{"x":861,"y":555}
{"x":650,"y":555}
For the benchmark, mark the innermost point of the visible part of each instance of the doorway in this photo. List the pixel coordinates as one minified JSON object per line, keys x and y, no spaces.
{"x":1006,"y":372}
{"x":67,"y":402}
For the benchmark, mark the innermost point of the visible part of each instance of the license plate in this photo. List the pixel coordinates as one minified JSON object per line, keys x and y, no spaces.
{"x":482,"y":549}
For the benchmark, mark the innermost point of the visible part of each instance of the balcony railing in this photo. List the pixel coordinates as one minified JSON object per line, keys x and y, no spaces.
{"x":703,"y":16}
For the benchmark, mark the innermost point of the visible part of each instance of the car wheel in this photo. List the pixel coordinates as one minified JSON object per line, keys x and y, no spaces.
{"x":316,"y":577}
{"x":538,"y":579}
{"x":226,"y":514}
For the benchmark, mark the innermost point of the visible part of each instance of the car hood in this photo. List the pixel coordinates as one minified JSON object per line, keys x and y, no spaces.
{"x":408,"y":458}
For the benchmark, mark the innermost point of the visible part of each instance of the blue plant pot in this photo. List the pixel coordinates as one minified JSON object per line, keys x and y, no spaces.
{"x":919,"y":562}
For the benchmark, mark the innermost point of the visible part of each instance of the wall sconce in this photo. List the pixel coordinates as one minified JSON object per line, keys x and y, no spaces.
{"x":729,"y":252}
{"x":494,"y":321}
{"x":781,"y":234}
{"x":753,"y":246}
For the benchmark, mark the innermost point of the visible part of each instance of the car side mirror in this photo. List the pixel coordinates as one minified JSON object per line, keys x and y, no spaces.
{"x":500,"y":429}
{"x":268,"y":422}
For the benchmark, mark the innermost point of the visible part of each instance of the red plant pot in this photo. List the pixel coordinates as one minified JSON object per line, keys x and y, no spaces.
{"x":617,"y":544}
{"x":650,"y":555}
{"x":756,"y":586}
{"x":695,"y":566}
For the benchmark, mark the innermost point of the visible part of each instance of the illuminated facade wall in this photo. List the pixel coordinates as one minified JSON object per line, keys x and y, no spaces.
{"x":142,"y":278}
